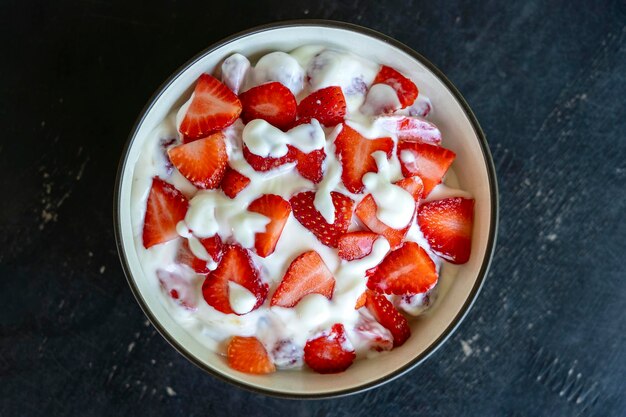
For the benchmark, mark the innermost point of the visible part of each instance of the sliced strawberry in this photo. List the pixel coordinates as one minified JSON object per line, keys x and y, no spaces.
{"x":405,"y":88}
{"x":277,"y":209}
{"x":429,"y":162}
{"x":166,"y":206}
{"x":236,"y":266}
{"x":413,"y":185}
{"x":327,"y":105}
{"x":203,"y":162}
{"x":307,"y":274}
{"x":356,"y":245}
{"x":186,"y":257}
{"x":386,"y":314}
{"x":233,"y":182}
{"x":366,"y":212}
{"x":309,"y":165}
{"x":406,"y":270}
{"x":411,"y":129}
{"x":262,"y":164}
{"x":378,"y":337}
{"x":247,"y":354}
{"x":306,"y":213}
{"x":328,"y":354}
{"x":213,"y":107}
{"x":447,"y":225}
{"x":213,"y":246}
{"x":355,"y":153}
{"x":272,"y":102}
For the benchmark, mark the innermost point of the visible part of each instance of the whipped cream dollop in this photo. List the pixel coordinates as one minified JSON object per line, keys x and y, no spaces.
{"x":265,"y":140}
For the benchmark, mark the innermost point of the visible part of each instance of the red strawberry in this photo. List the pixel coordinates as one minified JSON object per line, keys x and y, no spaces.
{"x":277,"y":209}
{"x":304,"y":211}
{"x":413,"y":185}
{"x":430,"y":162}
{"x":356,"y":245}
{"x":247,"y":354}
{"x":186,"y":257}
{"x":213,"y":107}
{"x":203,"y":162}
{"x":386,"y":314}
{"x":355,"y":152}
{"x":405,"y":88}
{"x":378,"y":337}
{"x":307,"y":274}
{"x":272,"y":102}
{"x":213,"y":246}
{"x":310,"y":164}
{"x":236,"y":266}
{"x":166,"y":206}
{"x":327,"y":105}
{"x":233,"y":182}
{"x":447,"y":225}
{"x":412,"y":129}
{"x":260,"y":163}
{"x":406,"y":270}
{"x":328,"y":354}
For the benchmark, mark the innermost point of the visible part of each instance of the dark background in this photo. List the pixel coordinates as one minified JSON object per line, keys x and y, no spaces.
{"x":547,"y":81}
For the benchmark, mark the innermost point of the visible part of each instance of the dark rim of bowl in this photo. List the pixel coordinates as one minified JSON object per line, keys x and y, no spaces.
{"x":493,"y":186}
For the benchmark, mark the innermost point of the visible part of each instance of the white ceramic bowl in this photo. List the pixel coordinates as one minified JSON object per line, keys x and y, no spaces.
{"x":473,"y":166}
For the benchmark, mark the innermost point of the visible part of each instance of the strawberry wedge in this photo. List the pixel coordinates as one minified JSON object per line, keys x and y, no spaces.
{"x":328,"y":354}
{"x":429,"y":162}
{"x":247,"y":354}
{"x":272,"y":102}
{"x":278,"y":210}
{"x":327,"y":105}
{"x":203,"y":161}
{"x":166,"y":206}
{"x":405,"y":88}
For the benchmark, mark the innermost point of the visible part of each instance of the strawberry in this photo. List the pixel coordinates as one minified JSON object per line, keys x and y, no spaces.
{"x":185,"y":256}
{"x":203,"y":162}
{"x":355,"y":153}
{"x":406,"y":270}
{"x":166,"y":206}
{"x":413,"y":185}
{"x":262,"y":164}
{"x":328,"y":354}
{"x":378,"y":337}
{"x":327,"y":105}
{"x":213,"y":107}
{"x":180,"y":288}
{"x":405,"y":88}
{"x":304,"y":211}
{"x":386,"y":314}
{"x":272,"y":102}
{"x":247,"y":354}
{"x":236,"y":266}
{"x":213,"y":246}
{"x":277,"y":209}
{"x":429,"y":162}
{"x":356,"y":245}
{"x":307,"y":274}
{"x":447,"y":225}
{"x":411,"y":129}
{"x":233,"y":182}
{"x":309,"y":165}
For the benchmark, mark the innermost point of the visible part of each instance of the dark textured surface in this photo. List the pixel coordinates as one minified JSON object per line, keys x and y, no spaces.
{"x":547,"y":81}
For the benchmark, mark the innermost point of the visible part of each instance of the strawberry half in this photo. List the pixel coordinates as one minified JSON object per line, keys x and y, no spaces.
{"x":429,"y":162}
{"x":185,"y":256}
{"x":166,"y":206}
{"x":213,"y":246}
{"x":406,"y":270}
{"x":405,"y":88}
{"x":262,"y":164}
{"x":236,"y":266}
{"x":327,"y":105}
{"x":307,"y":274}
{"x":277,"y":209}
{"x":305,"y":212}
{"x":272,"y":102}
{"x":247,"y":354}
{"x":233,"y":182}
{"x":355,"y":152}
{"x":203,"y":161}
{"x":213,"y":107}
{"x":328,"y":354}
{"x":356,"y":245}
{"x":447,"y":225}
{"x":386,"y":314}
{"x":411,"y":129}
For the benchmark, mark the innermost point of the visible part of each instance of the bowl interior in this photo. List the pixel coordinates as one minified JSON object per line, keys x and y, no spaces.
{"x":472,"y":167}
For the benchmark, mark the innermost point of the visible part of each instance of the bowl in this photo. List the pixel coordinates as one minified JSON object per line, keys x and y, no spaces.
{"x":473,"y":167}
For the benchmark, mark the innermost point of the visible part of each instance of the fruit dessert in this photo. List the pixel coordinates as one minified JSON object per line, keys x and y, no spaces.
{"x":293,"y":214}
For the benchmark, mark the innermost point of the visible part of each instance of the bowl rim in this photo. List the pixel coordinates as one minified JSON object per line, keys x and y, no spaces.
{"x":493,"y":227}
